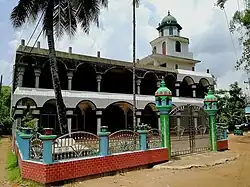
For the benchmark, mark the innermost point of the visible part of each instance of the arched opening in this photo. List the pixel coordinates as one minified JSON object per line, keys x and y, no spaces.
{"x":84,"y":78}
{"x":46,"y":78}
{"x":85,"y":120}
{"x":164,"y":50}
{"x":149,"y":116}
{"x":48,"y":117}
{"x":177,"y":46}
{"x":186,"y":87}
{"x":26,"y":101}
{"x":154,"y":50}
{"x":117,"y":80}
{"x":202,"y":88}
{"x":171,"y":31}
{"x":118,"y":116}
{"x":29,"y":76}
{"x":170,"y":83}
{"x":149,"y":84}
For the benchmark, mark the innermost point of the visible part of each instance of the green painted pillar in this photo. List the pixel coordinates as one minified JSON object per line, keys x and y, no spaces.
{"x":163,"y":100}
{"x":210,"y":105}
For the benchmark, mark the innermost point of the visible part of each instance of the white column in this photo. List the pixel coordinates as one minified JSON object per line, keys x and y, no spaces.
{"x":21,"y":71}
{"x":194,"y":90}
{"x":138,"y":117}
{"x":195,"y":115}
{"x":70,"y":75}
{"x":37,"y":75}
{"x":138,"y":84}
{"x":69,"y":119}
{"x":178,"y":121}
{"x":99,"y":120}
{"x":98,"y":79}
{"x":177,"y":87}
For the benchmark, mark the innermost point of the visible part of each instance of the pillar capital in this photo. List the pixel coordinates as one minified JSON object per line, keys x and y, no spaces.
{"x":99,"y":112}
{"x":138,"y":81}
{"x":21,"y":70}
{"x":70,"y":74}
{"x":99,"y":77}
{"x":177,"y":84}
{"x":37,"y":72}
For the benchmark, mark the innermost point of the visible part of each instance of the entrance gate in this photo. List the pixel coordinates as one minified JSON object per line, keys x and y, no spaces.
{"x":189,"y":130}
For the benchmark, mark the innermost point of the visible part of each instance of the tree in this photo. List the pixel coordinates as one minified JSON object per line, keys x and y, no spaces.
{"x":231,"y":105}
{"x":241,"y":23}
{"x":59,"y":17}
{"x":5,"y":119}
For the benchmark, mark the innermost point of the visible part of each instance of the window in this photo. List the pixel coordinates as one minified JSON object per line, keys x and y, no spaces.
{"x":192,"y":68}
{"x":154,"y":50}
{"x":171,"y":31}
{"x":176,"y":66}
{"x":164,"y":48}
{"x":162,"y":33}
{"x":177,"y":46}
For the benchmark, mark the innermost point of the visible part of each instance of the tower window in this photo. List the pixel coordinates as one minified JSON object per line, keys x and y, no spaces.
{"x":162,"y":33}
{"x":171,"y":31}
{"x":154,"y":50}
{"x":164,"y":48}
{"x":192,"y":68}
{"x":177,"y":46}
{"x":176,"y":66}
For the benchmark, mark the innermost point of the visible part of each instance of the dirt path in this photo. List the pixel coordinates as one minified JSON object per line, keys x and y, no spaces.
{"x":4,"y":148}
{"x":233,"y":174}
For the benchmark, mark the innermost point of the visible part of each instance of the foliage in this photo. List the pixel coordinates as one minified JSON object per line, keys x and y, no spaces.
{"x":13,"y":170}
{"x":231,"y":105}
{"x":5,"y":119}
{"x":28,"y":120}
{"x":58,"y":17}
{"x":241,"y":23}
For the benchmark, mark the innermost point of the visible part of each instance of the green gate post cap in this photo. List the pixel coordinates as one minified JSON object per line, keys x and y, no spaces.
{"x":163,"y":91}
{"x":210,"y":97}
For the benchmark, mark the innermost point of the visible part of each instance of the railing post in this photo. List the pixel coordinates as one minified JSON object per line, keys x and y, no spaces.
{"x":103,"y":143}
{"x":47,"y":148}
{"x":143,"y":139}
{"x":24,"y":145}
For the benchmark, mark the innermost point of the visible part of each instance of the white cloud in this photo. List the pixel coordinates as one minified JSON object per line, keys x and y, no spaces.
{"x":201,"y":21}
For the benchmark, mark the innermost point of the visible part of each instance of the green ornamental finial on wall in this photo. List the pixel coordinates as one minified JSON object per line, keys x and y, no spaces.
{"x":163,"y":96}
{"x":210,"y":102}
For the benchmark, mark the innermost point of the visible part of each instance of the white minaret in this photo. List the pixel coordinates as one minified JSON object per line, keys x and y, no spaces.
{"x":169,"y":41}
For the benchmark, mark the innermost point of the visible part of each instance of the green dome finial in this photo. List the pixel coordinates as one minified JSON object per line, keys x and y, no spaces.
{"x":163,"y":90}
{"x":210,"y":97}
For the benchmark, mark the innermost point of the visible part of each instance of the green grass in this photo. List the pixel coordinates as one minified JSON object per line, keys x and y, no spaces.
{"x":14,"y":174}
{"x":13,"y":171}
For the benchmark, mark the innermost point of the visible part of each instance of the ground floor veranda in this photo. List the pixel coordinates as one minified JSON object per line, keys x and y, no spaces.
{"x":88,"y":111}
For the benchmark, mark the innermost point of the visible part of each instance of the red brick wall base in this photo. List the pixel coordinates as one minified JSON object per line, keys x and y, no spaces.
{"x":87,"y":167}
{"x":222,"y":145}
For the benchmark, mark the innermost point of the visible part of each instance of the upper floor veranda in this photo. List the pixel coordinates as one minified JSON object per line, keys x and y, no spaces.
{"x":96,"y":74}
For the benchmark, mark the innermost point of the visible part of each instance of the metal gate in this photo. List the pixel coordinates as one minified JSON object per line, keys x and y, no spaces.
{"x":189,"y":130}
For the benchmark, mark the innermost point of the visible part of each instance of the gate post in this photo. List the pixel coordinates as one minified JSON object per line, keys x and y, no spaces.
{"x":163,"y":100}
{"x":210,"y":105}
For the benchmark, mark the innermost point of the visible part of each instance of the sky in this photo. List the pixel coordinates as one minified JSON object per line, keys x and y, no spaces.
{"x":203,"y":23}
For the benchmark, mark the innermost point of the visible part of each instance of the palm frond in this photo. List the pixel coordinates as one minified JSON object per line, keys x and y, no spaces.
{"x":70,"y":24}
{"x":59,"y":17}
{"x":221,"y":3}
{"x":21,"y":13}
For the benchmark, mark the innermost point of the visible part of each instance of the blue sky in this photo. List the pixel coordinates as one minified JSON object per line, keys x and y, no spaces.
{"x":203,"y":23}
